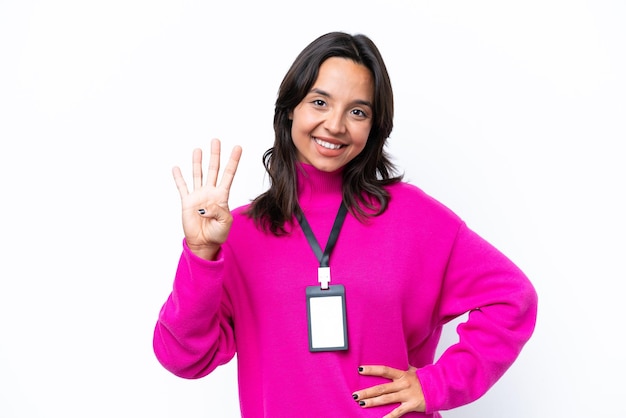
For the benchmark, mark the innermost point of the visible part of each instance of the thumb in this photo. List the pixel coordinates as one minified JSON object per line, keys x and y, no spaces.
{"x":217,"y":212}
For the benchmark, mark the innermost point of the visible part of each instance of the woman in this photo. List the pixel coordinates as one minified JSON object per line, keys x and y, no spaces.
{"x":349,"y":328}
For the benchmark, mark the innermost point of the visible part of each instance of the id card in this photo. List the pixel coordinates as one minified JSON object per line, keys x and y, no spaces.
{"x":326,"y":312}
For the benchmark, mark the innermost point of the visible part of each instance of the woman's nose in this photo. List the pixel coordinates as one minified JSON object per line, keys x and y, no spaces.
{"x":335,"y":122}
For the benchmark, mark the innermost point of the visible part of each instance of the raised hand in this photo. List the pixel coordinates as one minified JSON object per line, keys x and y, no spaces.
{"x":205,"y":213}
{"x":404,"y":389}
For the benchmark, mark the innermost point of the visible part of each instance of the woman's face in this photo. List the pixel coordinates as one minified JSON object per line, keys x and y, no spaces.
{"x":331,"y":124}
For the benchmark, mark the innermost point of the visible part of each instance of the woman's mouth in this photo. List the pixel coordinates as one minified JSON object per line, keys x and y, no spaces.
{"x":327,"y":145}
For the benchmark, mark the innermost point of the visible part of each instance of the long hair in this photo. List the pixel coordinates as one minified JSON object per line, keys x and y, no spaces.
{"x":364,"y":176}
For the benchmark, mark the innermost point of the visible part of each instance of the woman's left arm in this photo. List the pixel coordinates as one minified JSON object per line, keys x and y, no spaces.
{"x":502,"y":307}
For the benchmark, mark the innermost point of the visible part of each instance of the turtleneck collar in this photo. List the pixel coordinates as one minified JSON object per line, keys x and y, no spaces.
{"x":318,"y":188}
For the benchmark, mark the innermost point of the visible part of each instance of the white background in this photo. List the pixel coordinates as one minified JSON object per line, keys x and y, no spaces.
{"x":511,"y":113}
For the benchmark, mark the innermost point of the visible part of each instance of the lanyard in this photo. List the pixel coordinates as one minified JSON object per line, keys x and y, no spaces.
{"x":323,"y":272}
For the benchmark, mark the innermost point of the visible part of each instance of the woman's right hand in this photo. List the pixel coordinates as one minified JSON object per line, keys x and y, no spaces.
{"x":206,"y":216}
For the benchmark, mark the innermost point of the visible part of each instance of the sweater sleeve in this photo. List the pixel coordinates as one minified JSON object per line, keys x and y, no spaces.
{"x":502,"y":307}
{"x":194,"y":334}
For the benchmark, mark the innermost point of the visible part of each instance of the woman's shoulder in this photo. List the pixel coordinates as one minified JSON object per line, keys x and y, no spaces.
{"x":241,"y":215}
{"x":241,"y":210}
{"x":408,"y":197}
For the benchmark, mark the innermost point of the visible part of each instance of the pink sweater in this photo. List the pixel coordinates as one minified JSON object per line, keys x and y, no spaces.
{"x":406,"y":273}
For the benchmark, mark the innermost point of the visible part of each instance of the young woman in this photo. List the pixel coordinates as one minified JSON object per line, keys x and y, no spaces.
{"x":332,"y":287}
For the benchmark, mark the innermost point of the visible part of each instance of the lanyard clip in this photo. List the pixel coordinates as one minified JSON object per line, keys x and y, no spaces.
{"x":323,"y":276}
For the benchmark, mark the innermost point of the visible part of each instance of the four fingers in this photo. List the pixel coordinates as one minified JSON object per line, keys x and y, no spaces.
{"x":212,"y":171}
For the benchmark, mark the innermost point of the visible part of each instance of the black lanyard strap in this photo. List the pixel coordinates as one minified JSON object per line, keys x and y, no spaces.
{"x":323,"y":257}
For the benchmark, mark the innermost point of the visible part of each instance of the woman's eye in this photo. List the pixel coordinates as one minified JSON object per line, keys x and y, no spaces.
{"x":359,"y":112}
{"x":319,"y":102}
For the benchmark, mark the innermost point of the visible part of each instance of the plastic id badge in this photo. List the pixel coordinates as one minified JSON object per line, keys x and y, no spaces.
{"x":326,"y":312}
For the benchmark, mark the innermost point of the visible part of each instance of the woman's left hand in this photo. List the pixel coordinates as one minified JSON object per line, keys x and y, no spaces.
{"x":404,"y":388}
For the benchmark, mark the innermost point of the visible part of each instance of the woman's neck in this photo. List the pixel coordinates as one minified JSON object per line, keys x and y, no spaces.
{"x":318,"y":188}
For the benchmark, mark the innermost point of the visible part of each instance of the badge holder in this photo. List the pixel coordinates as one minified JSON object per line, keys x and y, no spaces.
{"x":326,"y":312}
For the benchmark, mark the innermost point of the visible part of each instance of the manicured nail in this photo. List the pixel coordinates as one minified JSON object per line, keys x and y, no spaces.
{"x":362,"y":403}
{"x":201,"y":211}
{"x":355,"y":396}
{"x":360,"y":369}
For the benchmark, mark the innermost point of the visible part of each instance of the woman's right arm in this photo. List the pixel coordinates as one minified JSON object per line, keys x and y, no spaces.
{"x":193,"y":334}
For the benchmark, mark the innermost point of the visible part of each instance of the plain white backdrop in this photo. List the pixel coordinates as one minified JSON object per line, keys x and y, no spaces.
{"x":511,"y":113}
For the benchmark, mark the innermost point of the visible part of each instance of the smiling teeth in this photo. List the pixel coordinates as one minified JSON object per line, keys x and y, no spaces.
{"x":326,"y":144}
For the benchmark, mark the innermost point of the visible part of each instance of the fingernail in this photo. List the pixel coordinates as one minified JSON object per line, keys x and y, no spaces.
{"x":201,"y":211}
{"x":360,"y":369}
{"x":362,"y":403}
{"x":355,"y":396}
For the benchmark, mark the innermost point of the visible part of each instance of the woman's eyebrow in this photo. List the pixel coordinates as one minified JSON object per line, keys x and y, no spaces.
{"x":320,"y":92}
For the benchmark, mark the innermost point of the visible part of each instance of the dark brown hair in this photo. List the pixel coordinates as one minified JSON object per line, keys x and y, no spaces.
{"x":364,"y":176}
